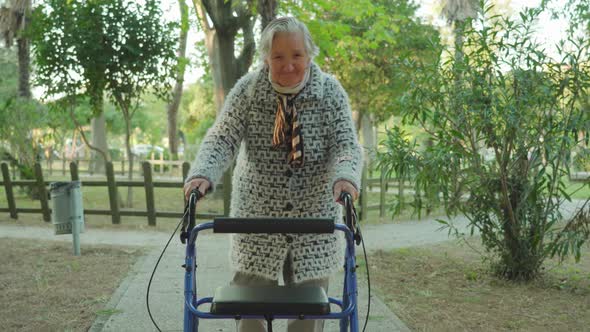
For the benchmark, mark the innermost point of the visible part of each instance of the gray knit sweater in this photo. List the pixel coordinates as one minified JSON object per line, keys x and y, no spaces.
{"x":264,"y":185}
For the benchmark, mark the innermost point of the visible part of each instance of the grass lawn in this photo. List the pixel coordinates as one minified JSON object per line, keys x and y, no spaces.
{"x":43,"y":287}
{"x":446,"y":287}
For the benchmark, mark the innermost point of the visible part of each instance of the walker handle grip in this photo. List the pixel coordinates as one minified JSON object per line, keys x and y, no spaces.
{"x":350,"y":218}
{"x":189,"y":214}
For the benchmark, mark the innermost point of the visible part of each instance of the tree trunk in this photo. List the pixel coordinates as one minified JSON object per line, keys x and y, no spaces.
{"x":99,"y":140}
{"x":220,"y":38}
{"x":267,"y":10}
{"x":24,"y":68}
{"x":177,"y":93}
{"x":368,"y":137}
{"x":130,"y":156}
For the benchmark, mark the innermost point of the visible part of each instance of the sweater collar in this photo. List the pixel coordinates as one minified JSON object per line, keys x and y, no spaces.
{"x":311,"y":91}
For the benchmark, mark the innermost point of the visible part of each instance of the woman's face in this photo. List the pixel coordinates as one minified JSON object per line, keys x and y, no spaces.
{"x":288,"y":59}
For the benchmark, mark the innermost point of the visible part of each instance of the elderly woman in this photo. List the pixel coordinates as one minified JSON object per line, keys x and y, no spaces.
{"x":298,"y":151}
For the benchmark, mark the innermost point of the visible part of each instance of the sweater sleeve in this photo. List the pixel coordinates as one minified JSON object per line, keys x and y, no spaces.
{"x":346,"y":158}
{"x":223,"y":139}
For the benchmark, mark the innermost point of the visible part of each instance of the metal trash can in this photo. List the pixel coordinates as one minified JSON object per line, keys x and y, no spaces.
{"x":67,"y":211}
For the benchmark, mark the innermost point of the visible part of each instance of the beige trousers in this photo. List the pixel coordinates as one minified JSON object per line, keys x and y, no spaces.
{"x":294,"y":325}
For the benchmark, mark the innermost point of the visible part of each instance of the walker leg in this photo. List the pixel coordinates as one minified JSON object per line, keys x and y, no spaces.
{"x":344,"y":321}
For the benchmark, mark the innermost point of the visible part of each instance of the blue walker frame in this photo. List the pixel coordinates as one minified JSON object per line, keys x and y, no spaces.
{"x":348,"y":315}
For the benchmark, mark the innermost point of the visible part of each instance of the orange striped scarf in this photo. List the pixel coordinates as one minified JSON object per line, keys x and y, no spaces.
{"x":287,"y":130}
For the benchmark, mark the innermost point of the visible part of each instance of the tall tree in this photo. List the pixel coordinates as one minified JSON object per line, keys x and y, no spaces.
{"x":14,"y":18}
{"x":178,"y":87}
{"x":227,"y":19}
{"x":232,"y":25}
{"x":18,"y":117}
{"x":69,"y":37}
{"x":22,"y":113}
{"x":119,"y":47}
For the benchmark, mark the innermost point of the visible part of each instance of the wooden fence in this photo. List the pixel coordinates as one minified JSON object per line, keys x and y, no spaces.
{"x":161,"y":166}
{"x":115,"y":211}
{"x":379,"y":185}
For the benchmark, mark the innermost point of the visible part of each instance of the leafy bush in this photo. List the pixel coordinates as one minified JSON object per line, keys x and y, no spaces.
{"x":500,"y":92}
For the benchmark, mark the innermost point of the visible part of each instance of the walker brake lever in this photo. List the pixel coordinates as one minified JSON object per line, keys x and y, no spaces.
{"x":188,"y":221}
{"x":351,"y":216}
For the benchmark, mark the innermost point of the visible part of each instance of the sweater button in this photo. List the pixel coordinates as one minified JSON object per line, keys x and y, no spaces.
{"x":288,"y":173}
{"x":288,"y":207}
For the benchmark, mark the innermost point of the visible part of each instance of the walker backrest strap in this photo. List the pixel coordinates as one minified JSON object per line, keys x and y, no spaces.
{"x":273,"y":225}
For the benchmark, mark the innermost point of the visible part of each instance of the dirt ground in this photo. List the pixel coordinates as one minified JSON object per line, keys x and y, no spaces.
{"x":44,"y":287}
{"x":446,"y":287}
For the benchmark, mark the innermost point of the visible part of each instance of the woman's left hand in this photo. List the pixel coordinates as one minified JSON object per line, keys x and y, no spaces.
{"x":344,"y":186}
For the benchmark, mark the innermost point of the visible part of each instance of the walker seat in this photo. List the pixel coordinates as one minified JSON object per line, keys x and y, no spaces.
{"x":270,"y":300}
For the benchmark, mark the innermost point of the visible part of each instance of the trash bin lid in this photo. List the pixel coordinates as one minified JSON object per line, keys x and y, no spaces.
{"x":63,"y":185}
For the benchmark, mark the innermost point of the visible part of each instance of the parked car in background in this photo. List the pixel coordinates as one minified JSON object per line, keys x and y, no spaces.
{"x":74,"y":150}
{"x":144,"y":150}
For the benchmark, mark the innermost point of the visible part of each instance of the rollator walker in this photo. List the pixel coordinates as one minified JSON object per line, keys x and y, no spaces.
{"x":271,"y":302}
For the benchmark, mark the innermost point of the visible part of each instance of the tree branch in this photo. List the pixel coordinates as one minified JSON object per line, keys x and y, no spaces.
{"x":208,"y":8}
{"x":90,"y":146}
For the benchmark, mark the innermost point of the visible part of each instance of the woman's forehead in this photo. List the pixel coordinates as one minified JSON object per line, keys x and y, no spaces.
{"x":292,"y":40}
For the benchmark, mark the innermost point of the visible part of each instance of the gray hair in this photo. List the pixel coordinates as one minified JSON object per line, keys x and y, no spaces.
{"x":286,"y":24}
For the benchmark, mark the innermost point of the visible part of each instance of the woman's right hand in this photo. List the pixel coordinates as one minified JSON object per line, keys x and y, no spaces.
{"x":201,"y":184}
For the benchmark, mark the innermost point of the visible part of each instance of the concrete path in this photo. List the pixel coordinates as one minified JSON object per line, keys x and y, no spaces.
{"x":166,"y":294}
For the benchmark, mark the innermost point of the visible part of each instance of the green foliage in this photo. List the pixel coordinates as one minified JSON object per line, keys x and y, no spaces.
{"x":18,"y":117}
{"x":364,"y":43}
{"x":86,"y":48}
{"x":197,"y":110}
{"x":8,"y":75}
{"x":501,"y":120}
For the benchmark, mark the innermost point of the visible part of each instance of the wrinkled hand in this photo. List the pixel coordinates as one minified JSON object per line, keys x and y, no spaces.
{"x":346,"y":186}
{"x":201,"y":184}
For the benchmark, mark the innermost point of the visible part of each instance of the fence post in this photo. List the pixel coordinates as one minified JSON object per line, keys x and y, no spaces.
{"x":382,"y":193}
{"x":185,"y":168}
{"x":113,"y":199}
{"x":162,"y":163}
{"x":8,"y":190}
{"x":149,"y":193}
{"x":364,"y":195}
{"x":42,"y":193}
{"x":75,"y":176}
{"x":63,"y":165}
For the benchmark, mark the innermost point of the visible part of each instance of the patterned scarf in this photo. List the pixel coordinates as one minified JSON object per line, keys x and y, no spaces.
{"x":287,"y":129}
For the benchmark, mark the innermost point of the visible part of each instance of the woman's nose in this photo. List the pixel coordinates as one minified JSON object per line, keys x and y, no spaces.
{"x":289,"y":67}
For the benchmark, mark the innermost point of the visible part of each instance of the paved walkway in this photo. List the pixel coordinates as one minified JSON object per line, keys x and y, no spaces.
{"x":166,"y":294}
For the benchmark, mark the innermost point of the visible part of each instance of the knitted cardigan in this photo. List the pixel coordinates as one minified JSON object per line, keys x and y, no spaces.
{"x":264,"y":185}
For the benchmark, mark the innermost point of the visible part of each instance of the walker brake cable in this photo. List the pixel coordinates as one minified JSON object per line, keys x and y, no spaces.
{"x":188,"y":222}
{"x":358,"y":238}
